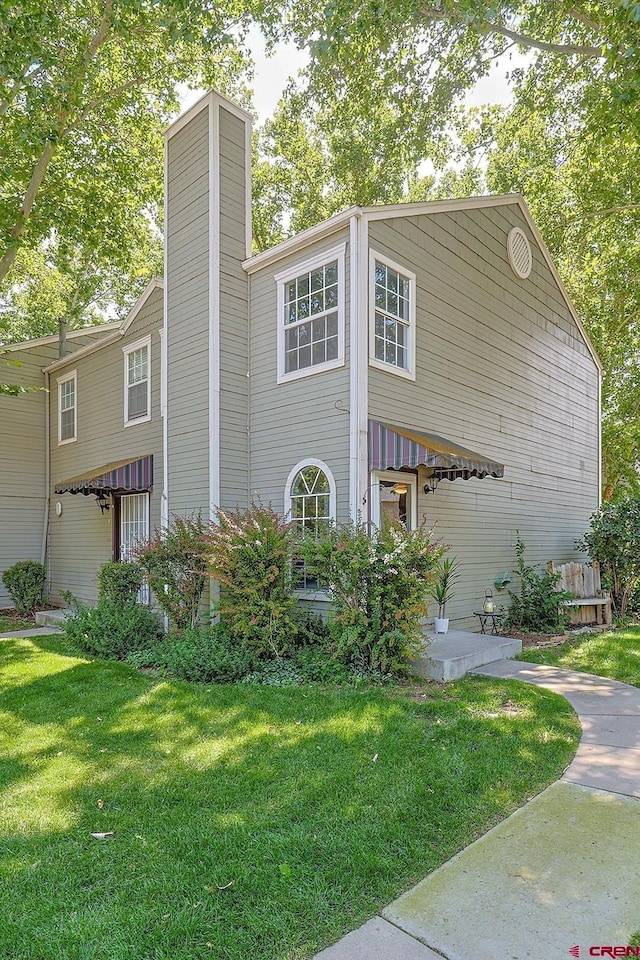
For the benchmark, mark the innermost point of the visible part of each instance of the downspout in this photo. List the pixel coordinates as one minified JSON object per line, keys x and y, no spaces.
{"x":47,"y":469}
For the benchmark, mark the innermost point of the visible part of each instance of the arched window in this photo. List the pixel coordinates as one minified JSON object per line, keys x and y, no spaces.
{"x":310,"y":501}
{"x":310,"y":497}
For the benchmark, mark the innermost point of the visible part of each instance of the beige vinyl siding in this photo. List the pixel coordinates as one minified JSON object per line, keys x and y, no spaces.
{"x":305,"y":418}
{"x":80,"y":540}
{"x":501,"y":368}
{"x":187,"y":238}
{"x":22,"y":461}
{"x":234,"y":315}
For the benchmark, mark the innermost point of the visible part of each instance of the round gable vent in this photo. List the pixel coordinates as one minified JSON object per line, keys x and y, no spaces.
{"x":519,"y":251}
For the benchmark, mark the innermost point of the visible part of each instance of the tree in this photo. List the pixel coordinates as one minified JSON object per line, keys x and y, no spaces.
{"x":86,"y":90}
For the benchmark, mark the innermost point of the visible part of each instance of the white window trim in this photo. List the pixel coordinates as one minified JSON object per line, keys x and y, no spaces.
{"x":73,"y":375}
{"x":395,"y":476}
{"x":126,"y":350}
{"x":301,"y":592}
{"x":408,"y":373}
{"x":335,"y":253}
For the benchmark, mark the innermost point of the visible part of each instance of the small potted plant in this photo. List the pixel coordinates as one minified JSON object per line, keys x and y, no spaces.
{"x":443,"y":591}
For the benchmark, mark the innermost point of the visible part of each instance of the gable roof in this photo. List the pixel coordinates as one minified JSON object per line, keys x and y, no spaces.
{"x":427,"y":207}
{"x":119,"y":328}
{"x":53,"y":338}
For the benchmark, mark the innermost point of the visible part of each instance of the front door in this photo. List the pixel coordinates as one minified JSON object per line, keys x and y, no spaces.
{"x":134,"y":529}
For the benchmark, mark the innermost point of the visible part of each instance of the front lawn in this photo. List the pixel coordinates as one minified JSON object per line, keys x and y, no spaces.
{"x":614,"y":654}
{"x":249,"y":823}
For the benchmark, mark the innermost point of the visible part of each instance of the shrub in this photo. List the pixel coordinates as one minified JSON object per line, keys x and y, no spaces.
{"x":539,"y":606}
{"x":379,"y":583}
{"x":119,"y":582}
{"x":26,"y":583}
{"x":614,"y":541}
{"x":208,"y":655}
{"x":176,"y":568}
{"x":249,"y":555}
{"x":112,"y":630}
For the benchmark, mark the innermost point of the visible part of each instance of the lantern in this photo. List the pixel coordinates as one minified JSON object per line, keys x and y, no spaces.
{"x":488,"y":606}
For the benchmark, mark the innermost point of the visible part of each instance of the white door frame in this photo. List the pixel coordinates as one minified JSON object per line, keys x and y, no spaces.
{"x":394,"y":476}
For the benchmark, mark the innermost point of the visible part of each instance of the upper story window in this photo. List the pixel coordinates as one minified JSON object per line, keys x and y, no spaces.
{"x":137,"y":382}
{"x":311,"y":316}
{"x":392,"y":323}
{"x":68,"y":408}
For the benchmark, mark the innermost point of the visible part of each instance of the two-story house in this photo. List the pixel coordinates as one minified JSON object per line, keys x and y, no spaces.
{"x":349,"y":371}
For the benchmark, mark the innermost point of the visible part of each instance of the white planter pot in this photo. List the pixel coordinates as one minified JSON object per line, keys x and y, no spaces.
{"x":442,"y":624}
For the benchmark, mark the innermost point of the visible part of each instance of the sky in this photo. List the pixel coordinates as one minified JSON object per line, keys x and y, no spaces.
{"x":272,"y":73}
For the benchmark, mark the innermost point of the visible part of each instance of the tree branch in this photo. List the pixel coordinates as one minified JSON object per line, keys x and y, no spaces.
{"x":48,"y":151}
{"x":488,"y":27}
{"x":623,"y":208}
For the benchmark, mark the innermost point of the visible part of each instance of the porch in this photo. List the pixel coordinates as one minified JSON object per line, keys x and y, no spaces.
{"x":449,"y":656}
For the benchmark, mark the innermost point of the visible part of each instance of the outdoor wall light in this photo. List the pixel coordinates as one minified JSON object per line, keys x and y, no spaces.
{"x":432,"y":484}
{"x":103,"y":501}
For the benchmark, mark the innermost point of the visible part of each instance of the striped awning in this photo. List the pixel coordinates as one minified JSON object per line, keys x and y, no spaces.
{"x":125,"y":476}
{"x":392,"y":447}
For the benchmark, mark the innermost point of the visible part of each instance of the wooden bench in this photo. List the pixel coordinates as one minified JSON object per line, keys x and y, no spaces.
{"x":591,"y":604}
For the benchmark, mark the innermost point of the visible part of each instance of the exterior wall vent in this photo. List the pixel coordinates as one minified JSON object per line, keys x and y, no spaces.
{"x":519,"y":251}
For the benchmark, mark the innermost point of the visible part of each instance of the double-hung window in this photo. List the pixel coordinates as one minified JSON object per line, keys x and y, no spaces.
{"x":311,"y":316}
{"x":68,"y":408}
{"x":137,"y":382}
{"x":392,"y":324}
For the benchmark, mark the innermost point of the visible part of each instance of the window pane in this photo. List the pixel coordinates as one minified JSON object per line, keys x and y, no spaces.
{"x":332,"y":348}
{"x":67,"y":395}
{"x":332,"y":325}
{"x":379,"y":348}
{"x":319,"y":329}
{"x":304,"y":357}
{"x":318,"y":352}
{"x":331,"y":297}
{"x":331,"y":273}
{"x":317,"y":302}
{"x":137,"y":401}
{"x":291,"y":361}
{"x":67,"y":424}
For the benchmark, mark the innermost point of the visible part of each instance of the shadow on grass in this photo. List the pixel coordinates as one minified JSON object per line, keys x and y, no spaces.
{"x":248,"y":822}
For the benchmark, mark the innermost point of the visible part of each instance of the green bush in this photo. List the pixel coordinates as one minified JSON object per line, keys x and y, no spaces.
{"x":208,"y":655}
{"x":249,"y":555}
{"x":176,"y":568}
{"x":119,"y":582}
{"x":26,"y":583}
{"x":113,"y":630}
{"x":614,"y":541}
{"x":379,"y":582}
{"x":539,"y":606}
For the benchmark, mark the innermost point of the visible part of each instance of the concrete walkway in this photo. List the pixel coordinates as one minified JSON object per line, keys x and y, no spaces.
{"x":562,"y":873}
{"x":31,"y":632}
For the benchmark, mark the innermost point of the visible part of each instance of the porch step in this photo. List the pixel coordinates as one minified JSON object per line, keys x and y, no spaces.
{"x":51,"y":618}
{"x":449,"y":656}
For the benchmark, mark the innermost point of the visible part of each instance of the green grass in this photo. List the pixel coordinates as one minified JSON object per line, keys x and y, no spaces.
{"x":249,"y":823}
{"x":613,"y":654}
{"x":11,"y":624}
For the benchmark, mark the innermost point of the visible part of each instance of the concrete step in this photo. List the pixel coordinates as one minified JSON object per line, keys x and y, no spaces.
{"x":449,"y":656}
{"x":51,"y":618}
